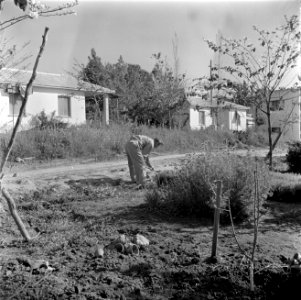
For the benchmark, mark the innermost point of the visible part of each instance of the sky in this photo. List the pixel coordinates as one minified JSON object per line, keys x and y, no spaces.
{"x":138,"y":29}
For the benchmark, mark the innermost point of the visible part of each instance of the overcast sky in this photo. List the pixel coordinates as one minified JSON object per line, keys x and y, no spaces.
{"x":137,"y":29}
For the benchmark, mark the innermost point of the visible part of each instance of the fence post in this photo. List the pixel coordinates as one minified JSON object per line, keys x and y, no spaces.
{"x":213,"y":257}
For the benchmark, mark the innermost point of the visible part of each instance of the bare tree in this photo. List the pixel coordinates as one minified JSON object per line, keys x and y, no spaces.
{"x":266,"y":66}
{"x":32,"y":9}
{"x":5,"y":193}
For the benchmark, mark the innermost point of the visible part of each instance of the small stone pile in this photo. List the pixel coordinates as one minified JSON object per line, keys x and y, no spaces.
{"x":124,"y":244}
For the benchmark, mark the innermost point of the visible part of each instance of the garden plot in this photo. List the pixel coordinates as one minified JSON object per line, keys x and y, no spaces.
{"x":71,"y":213}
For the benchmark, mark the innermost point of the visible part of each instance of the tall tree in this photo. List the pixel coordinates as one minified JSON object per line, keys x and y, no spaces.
{"x":169,"y":91}
{"x":132,"y":84}
{"x":265,"y":66}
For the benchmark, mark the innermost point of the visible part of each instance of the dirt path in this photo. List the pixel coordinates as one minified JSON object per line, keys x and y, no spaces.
{"x":29,"y":179}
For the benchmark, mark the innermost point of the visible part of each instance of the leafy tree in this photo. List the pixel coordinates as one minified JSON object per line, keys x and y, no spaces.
{"x":169,"y":94}
{"x":148,"y":98}
{"x":131,"y":83}
{"x":265,"y":66}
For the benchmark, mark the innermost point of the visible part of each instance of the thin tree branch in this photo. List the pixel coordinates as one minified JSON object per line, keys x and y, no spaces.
{"x":22,"y":108}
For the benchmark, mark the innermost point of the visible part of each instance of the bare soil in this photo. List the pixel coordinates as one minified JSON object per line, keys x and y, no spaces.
{"x":72,"y":208}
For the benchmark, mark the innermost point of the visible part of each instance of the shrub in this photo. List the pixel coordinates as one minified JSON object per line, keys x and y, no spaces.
{"x":293,"y":157}
{"x":44,"y":121}
{"x":252,"y":137}
{"x":191,"y":190}
{"x":285,"y":187}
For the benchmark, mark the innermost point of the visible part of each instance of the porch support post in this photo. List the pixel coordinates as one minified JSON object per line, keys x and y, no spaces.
{"x":105,"y":110}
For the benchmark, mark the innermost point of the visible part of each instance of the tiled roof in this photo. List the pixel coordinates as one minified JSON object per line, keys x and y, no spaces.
{"x":202,"y":103}
{"x":50,"y":80}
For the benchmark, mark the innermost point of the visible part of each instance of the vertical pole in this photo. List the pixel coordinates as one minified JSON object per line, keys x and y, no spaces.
{"x":299,"y":58}
{"x":211,"y":94}
{"x":105,"y":110}
{"x":117,"y":105}
{"x":210,"y":66}
{"x":216,"y":219}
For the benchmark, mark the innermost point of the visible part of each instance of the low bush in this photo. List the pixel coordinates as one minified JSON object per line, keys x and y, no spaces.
{"x":190,"y":190}
{"x":293,"y":157}
{"x":285,"y":188}
{"x":254,"y":137}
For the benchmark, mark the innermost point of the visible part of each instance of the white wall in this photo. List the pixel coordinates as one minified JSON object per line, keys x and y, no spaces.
{"x":44,"y":99}
{"x":291,"y":108}
{"x":194,"y":119}
{"x":225,"y":118}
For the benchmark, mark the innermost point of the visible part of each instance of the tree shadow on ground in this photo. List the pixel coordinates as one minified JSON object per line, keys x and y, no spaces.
{"x":104,"y":180}
{"x":142,"y":214}
{"x":283,"y":215}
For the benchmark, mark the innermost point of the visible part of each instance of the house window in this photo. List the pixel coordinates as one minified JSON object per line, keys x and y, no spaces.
{"x":276,"y":129}
{"x":64,"y":106}
{"x":15,"y":102}
{"x":277,"y":105}
{"x":236,"y":118}
{"x":201,"y":118}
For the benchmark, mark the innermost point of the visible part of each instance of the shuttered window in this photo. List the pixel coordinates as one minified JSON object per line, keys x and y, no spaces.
{"x":236,"y":118}
{"x":201,"y":118}
{"x":64,"y":106}
{"x":15,"y":102}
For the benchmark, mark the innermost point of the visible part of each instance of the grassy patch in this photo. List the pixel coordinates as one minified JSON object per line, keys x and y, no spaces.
{"x":108,"y":142}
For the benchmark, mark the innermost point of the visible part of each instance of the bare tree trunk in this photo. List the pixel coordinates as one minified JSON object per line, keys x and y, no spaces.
{"x":22,"y":108}
{"x":280,"y":133}
{"x":6,"y":195}
{"x":13,"y":210}
{"x":270,"y":140}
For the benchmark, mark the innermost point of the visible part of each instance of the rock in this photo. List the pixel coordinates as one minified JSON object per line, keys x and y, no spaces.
{"x":20,"y":160}
{"x":297,"y":256}
{"x":295,"y":262}
{"x":99,"y":251}
{"x":140,"y":240}
{"x":130,"y":248}
{"x":122,"y":239}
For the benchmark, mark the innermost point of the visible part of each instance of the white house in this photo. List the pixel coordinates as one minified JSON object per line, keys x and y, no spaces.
{"x":58,"y":93}
{"x":224,"y":114}
{"x":285,"y":113}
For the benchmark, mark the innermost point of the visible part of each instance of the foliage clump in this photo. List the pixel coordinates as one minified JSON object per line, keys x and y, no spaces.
{"x":190,"y":190}
{"x":293,"y":157}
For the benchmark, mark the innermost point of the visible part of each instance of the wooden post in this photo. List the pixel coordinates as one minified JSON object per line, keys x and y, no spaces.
{"x":15,"y":215}
{"x":216,"y":220}
{"x":105,"y":110}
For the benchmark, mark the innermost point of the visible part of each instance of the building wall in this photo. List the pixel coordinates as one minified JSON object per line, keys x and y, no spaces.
{"x":194,"y":118}
{"x":225,"y":118}
{"x":43,"y":99}
{"x":288,"y":110}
